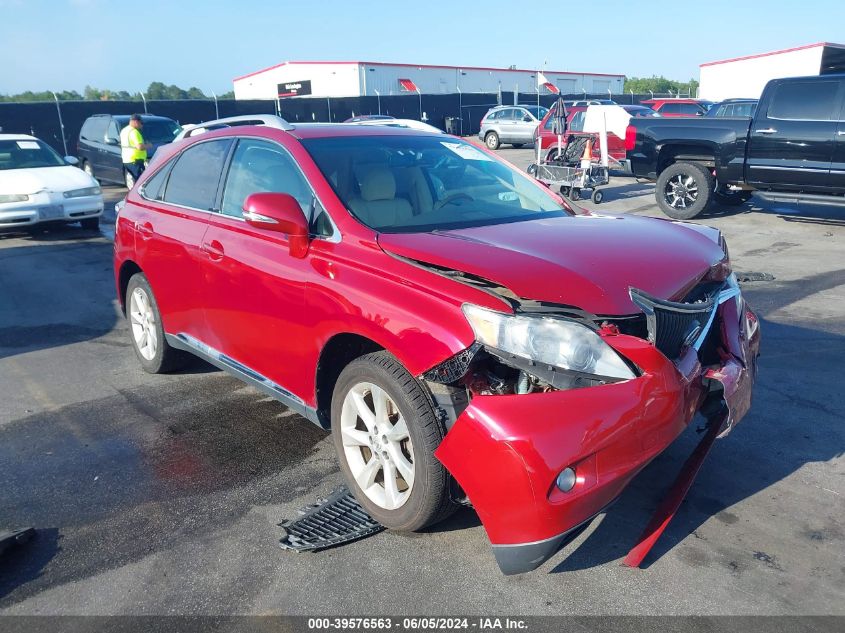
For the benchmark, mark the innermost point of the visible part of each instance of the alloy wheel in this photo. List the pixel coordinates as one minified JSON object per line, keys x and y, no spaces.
{"x":681,"y":191}
{"x":377,"y":446}
{"x":143,"y":322}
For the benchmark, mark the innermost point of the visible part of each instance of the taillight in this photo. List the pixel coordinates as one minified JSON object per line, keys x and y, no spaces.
{"x":630,"y":138}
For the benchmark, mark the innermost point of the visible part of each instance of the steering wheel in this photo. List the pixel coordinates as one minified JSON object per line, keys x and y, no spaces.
{"x":451,"y":198}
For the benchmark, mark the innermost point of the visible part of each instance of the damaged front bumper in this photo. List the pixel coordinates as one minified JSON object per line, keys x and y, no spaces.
{"x":507,"y":451}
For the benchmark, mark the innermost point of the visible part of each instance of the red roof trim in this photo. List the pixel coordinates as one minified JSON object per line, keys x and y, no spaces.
{"x":780,"y":52}
{"x":514,"y":70}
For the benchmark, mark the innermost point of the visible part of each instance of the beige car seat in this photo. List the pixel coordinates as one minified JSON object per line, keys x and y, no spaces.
{"x":378,"y":205}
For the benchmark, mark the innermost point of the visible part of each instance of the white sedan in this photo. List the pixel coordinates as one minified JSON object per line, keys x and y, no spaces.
{"x":37,"y":185}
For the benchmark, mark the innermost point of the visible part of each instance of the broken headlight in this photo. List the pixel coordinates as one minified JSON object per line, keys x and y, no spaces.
{"x":550,"y":341}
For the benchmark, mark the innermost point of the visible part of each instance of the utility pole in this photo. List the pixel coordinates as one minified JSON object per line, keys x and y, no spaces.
{"x":61,"y":123}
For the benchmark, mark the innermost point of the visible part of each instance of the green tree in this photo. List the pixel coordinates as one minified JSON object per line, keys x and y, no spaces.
{"x":195,"y":93}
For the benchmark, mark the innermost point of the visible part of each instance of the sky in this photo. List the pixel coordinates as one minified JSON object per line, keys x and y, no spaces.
{"x":125,"y":45}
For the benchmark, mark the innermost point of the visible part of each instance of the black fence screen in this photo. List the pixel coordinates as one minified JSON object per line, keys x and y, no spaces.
{"x":463,"y":111}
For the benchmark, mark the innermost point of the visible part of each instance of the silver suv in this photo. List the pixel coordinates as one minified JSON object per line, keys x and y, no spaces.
{"x":510,"y":124}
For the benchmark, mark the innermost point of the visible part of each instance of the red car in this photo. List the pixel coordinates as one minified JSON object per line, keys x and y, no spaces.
{"x":678,"y":107}
{"x":467,"y":336}
{"x":575,"y":125}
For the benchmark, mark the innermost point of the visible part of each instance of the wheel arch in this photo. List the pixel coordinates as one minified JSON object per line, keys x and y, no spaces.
{"x":340,"y":350}
{"x":671,"y":153}
{"x":127,"y":269}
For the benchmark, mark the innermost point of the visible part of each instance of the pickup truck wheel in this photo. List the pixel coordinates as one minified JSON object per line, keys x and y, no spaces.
{"x":146,"y":330}
{"x":492,"y":140}
{"x":730,"y":197}
{"x":385,"y":432}
{"x":683,"y":190}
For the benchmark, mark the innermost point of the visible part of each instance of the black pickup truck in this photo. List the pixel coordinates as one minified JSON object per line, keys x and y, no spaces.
{"x":793,"y":149}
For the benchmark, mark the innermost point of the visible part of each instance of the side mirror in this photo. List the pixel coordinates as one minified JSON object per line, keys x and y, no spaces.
{"x":112,"y":141}
{"x":279,"y":212}
{"x":72,"y":160}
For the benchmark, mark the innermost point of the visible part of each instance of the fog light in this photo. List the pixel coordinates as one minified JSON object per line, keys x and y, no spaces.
{"x":566,"y":480}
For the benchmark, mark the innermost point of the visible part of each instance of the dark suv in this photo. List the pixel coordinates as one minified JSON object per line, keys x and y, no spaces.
{"x":99,"y":143}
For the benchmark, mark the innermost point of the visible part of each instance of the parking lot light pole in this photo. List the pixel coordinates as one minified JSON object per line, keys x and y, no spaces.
{"x":144,"y":99}
{"x":632,"y":95}
{"x":61,"y":123}
{"x":216,"y":109}
{"x":378,"y":99}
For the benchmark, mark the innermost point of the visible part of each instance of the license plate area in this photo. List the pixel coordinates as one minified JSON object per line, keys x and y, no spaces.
{"x":51,"y":212}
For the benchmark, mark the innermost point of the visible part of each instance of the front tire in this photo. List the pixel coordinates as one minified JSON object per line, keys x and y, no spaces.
{"x":491,"y":140}
{"x":91,"y":224}
{"x":385,"y":433}
{"x":684,"y":190}
{"x":146,"y":331}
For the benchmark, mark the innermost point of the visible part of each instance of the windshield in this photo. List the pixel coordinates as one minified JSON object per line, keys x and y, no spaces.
{"x":538,"y":112}
{"x":415,"y":184}
{"x":28,"y":153}
{"x":156,"y":131}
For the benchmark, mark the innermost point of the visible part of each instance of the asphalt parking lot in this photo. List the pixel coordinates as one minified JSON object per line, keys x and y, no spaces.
{"x":161,"y":494}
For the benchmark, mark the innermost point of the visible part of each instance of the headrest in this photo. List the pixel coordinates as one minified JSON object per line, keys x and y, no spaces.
{"x":378,"y":184}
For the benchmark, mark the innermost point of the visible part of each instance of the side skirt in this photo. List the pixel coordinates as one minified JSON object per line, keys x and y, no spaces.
{"x":244,"y":373}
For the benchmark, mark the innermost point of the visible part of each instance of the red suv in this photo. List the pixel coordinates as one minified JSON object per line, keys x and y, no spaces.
{"x":468,"y":336}
{"x":678,"y":107}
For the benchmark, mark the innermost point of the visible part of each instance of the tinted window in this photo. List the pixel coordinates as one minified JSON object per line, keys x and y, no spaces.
{"x":538,"y":113}
{"x":681,"y":108}
{"x":807,"y":100}
{"x":113,"y":132}
{"x":511,"y":114}
{"x":494,"y":115}
{"x":154,"y":187}
{"x":745,"y":109}
{"x":193,"y":180}
{"x":259,"y":167}
{"x":95,"y":128}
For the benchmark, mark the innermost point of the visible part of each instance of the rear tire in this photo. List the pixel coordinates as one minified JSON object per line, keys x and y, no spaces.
{"x":491,"y":140}
{"x":91,"y":224}
{"x":684,"y":190}
{"x":146,"y":331}
{"x":384,"y":430}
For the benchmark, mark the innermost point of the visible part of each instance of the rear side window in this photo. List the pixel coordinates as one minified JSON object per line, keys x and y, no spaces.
{"x":805,"y":100}
{"x":194,"y":178}
{"x":153,"y":188}
{"x":262,"y":167}
{"x":681,"y":108}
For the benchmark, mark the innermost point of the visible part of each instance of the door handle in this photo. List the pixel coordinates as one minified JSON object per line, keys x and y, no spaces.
{"x":213,"y":249}
{"x":145,"y":230}
{"x":768,"y":130}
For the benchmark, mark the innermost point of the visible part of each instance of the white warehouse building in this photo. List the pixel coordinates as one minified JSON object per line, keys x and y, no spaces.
{"x":355,"y":79}
{"x":746,"y":76}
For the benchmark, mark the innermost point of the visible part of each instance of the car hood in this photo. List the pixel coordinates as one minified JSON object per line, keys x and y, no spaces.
{"x":29,"y":181}
{"x":586,"y":261}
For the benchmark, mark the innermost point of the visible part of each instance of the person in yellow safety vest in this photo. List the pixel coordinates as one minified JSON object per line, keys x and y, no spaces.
{"x":133,"y":149}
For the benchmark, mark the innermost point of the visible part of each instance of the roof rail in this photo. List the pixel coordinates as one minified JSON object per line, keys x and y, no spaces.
{"x":270,"y":120}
